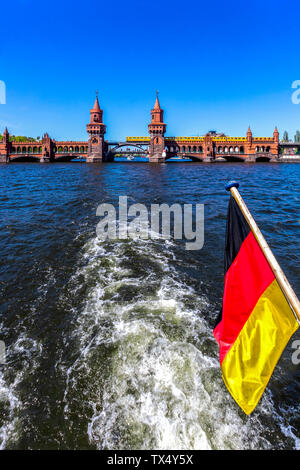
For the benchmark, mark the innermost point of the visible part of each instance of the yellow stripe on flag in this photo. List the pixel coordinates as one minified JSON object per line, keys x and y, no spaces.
{"x":249,"y":364}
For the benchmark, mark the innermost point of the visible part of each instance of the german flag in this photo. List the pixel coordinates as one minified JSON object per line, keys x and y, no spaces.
{"x":256,"y":321}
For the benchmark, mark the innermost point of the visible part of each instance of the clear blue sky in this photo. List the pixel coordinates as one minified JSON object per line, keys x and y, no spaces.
{"x":217,"y":65}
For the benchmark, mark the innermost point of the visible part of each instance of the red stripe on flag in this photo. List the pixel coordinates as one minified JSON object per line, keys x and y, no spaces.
{"x":245,"y":281}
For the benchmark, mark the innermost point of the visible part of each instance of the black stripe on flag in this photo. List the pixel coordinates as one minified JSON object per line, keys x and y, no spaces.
{"x":237,"y":230}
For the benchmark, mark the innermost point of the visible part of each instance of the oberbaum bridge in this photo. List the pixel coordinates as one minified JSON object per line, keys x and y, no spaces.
{"x":211,"y":147}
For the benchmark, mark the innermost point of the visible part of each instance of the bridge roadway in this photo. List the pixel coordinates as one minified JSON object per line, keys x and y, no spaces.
{"x":290,"y":144}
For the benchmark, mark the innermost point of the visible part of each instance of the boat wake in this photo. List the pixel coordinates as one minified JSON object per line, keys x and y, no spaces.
{"x":147,"y":367}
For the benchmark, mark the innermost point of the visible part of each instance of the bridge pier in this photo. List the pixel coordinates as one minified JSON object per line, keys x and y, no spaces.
{"x":157,"y":158}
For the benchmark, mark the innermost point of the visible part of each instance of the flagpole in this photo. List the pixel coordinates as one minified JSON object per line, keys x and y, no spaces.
{"x":284,"y":284}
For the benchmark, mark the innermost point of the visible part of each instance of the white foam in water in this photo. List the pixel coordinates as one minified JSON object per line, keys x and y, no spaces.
{"x":146,"y":374}
{"x":11,"y":428}
{"x":162,"y":392}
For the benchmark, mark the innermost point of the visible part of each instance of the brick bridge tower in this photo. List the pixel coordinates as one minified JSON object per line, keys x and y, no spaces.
{"x":157,"y":130}
{"x":4,"y":147}
{"x":96,"y":130}
{"x":46,"y":148}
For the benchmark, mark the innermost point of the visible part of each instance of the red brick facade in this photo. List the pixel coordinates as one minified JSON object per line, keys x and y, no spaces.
{"x":96,"y":130}
{"x":157,"y":129}
{"x":210,"y":147}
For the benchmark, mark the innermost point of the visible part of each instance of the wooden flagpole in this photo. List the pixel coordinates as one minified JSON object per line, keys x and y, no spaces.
{"x":284,"y":284}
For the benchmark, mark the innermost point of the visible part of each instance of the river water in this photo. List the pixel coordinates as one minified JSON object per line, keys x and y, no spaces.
{"x":109,"y":344}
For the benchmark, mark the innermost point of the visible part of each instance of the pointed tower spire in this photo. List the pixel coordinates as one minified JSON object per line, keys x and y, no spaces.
{"x":157,"y":105}
{"x":5,"y":137}
{"x":96,"y":112}
{"x":96,"y":107}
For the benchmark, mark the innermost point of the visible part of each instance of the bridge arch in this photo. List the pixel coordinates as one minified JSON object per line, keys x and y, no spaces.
{"x":68,"y":157}
{"x":139,"y":147}
{"x":23,"y":158}
{"x":231,"y":157}
{"x":262,"y":158}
